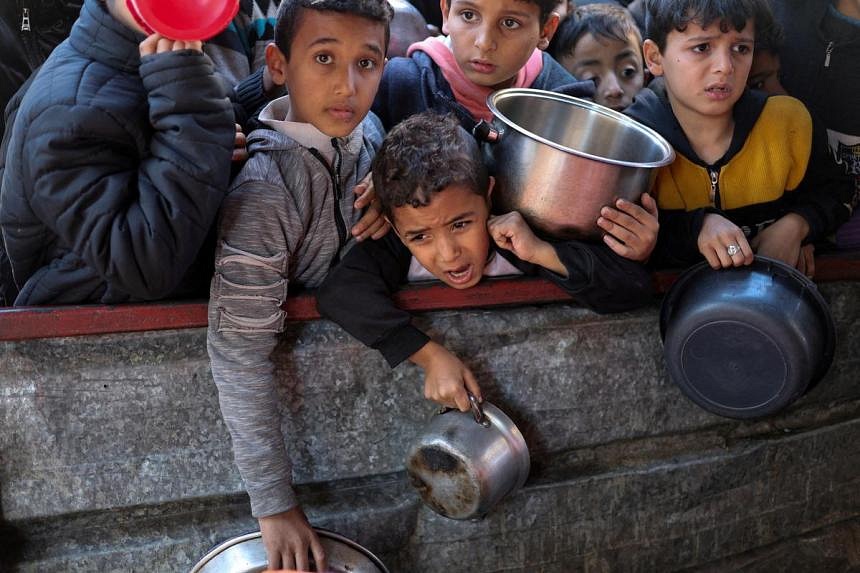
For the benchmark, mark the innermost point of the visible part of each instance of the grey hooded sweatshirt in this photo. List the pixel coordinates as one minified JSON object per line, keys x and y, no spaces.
{"x":285,"y":220}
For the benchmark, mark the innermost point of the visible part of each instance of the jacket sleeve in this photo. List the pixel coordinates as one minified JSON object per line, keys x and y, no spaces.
{"x":825,"y":193}
{"x":245,"y":319}
{"x":357,"y":293}
{"x":597,"y":278}
{"x":678,"y":238}
{"x":136,"y":208}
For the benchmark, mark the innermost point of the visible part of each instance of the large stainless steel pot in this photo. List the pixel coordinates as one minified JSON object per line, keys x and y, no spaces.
{"x":246,"y":554}
{"x":558,"y":159}
{"x":465,"y":462}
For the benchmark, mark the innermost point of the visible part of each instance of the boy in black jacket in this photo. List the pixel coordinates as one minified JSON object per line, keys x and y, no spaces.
{"x":435,"y":192}
{"x":117,"y":161}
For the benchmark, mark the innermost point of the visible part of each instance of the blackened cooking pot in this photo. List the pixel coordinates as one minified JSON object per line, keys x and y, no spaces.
{"x":463,"y":463}
{"x":746,"y":342}
{"x":558,"y":159}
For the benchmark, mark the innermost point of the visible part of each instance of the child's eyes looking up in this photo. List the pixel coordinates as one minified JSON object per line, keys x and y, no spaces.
{"x":323,"y":58}
{"x":468,"y":16}
{"x":629,"y":71}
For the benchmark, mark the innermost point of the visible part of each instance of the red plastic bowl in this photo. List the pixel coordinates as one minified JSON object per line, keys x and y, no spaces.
{"x":184,"y":19}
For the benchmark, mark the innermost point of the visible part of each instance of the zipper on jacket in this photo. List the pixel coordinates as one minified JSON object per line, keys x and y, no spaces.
{"x":334,"y":173}
{"x":25,"y":20}
{"x":827,"y":52}
{"x":715,"y":186}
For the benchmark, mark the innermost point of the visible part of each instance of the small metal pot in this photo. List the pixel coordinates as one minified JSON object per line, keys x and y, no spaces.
{"x":558,"y":159}
{"x":465,"y":462}
{"x":246,"y":554}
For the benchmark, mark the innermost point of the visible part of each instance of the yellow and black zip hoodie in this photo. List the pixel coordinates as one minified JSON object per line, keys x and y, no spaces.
{"x":777,"y":163}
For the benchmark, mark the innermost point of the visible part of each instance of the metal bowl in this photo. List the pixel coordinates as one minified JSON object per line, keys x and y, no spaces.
{"x":246,"y":554}
{"x":558,"y":159}
{"x":746,"y":342}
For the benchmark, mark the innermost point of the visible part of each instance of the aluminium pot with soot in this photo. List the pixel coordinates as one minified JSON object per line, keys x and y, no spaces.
{"x":464,"y":463}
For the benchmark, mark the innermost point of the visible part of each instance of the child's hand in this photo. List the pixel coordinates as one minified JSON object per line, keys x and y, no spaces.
{"x":806,"y":262}
{"x":718,"y":238}
{"x":511,"y":232}
{"x":240,"y":149}
{"x":782,"y":241}
{"x":372,"y":224}
{"x":157,"y":44}
{"x":287,"y":538}
{"x":631,"y":230}
{"x":446,"y":378}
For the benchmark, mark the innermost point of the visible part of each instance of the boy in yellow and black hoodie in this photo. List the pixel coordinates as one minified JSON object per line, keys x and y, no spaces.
{"x":747,"y":178}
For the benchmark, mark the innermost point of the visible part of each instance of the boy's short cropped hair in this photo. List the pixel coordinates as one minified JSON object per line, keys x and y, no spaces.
{"x":422,"y":155}
{"x":663,"y":16}
{"x":290,"y":15}
{"x":600,"y":20}
{"x":547,"y":7}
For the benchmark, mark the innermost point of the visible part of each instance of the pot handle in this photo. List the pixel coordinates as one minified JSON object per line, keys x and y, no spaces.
{"x":486,"y":131}
{"x":477,"y":411}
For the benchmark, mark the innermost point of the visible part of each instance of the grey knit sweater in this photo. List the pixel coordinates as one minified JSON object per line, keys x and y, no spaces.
{"x":285,"y":220}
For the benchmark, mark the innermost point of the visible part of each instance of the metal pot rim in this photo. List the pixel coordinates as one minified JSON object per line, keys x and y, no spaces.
{"x":256,"y":535}
{"x":499,"y":95}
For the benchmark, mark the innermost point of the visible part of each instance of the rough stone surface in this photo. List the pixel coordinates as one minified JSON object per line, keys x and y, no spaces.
{"x":113,"y":455}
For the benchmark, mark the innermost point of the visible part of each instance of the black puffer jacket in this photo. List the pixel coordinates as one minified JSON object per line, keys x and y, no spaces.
{"x":115,"y":168}
{"x":29,"y":31}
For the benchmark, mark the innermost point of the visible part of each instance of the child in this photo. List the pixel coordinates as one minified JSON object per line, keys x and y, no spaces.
{"x":764,"y":71}
{"x":490,"y":44}
{"x":601,"y":42}
{"x":117,"y":161}
{"x":435,"y":191}
{"x":744,"y":179}
{"x":285,"y":222}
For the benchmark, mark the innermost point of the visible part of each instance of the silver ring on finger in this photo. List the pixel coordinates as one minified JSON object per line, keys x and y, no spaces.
{"x":733,"y":250}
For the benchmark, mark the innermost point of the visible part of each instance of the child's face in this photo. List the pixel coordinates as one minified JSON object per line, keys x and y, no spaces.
{"x":705,"y":69}
{"x":493,"y":39}
{"x":615,"y":66}
{"x":764,"y":73}
{"x":333,"y":71}
{"x":449,"y":236}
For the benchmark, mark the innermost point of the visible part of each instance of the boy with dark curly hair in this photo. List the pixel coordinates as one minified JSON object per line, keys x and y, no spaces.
{"x":435,"y":192}
{"x":746,"y":178}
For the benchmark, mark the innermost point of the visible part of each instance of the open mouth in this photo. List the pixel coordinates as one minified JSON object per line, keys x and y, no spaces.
{"x":460,"y":275}
{"x":719,"y":92}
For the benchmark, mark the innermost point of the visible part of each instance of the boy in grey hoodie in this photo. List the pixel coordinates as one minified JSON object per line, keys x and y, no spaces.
{"x":286,"y":220}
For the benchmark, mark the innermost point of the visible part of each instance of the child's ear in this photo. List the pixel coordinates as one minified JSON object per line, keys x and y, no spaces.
{"x":276,"y":62}
{"x":548,"y":31}
{"x":443,"y":5}
{"x":653,"y":58}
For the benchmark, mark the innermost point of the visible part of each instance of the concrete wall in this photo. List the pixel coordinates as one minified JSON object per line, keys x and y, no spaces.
{"x":113,"y":455}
